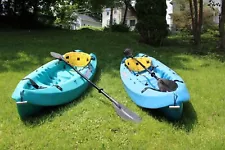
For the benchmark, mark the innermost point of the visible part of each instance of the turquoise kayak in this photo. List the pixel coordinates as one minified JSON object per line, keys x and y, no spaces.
{"x":143,"y":89}
{"x":54,"y":83}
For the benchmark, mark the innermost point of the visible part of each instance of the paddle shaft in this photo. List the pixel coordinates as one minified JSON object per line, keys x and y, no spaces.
{"x":100,"y":90}
{"x":152,"y":73}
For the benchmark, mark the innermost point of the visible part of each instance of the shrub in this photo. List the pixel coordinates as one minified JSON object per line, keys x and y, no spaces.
{"x":118,"y":28}
{"x":91,"y":28}
{"x":151,"y":25}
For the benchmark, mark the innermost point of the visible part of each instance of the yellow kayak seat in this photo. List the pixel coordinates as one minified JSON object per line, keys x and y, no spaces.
{"x":78,"y":59}
{"x":133,"y":65}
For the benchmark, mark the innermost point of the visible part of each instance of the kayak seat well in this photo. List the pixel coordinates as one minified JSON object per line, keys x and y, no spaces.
{"x":51,"y":78}
{"x":59,"y":73}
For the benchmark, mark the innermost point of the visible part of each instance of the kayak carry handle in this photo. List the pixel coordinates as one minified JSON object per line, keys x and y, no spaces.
{"x":21,"y":102}
{"x":174,"y":107}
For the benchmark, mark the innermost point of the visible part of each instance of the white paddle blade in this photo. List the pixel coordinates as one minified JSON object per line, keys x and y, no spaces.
{"x":126,"y":114}
{"x":56,"y":55}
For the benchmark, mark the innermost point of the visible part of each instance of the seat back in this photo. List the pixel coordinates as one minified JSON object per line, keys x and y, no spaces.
{"x":78,"y":59}
{"x":133,"y":65}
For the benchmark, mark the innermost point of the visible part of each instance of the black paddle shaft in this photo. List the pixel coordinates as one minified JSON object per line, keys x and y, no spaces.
{"x":121,"y":110}
{"x":129,"y":53}
{"x":100,"y":90}
{"x":152,"y":73}
{"x":164,"y":84}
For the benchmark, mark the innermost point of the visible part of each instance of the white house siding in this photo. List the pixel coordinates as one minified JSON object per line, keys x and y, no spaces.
{"x":169,"y":13}
{"x":89,"y":23}
{"x":129,"y":19}
{"x":118,"y":16}
{"x":85,"y":21}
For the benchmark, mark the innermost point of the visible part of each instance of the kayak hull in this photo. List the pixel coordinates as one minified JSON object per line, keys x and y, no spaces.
{"x":170,"y":103}
{"x":30,"y":101}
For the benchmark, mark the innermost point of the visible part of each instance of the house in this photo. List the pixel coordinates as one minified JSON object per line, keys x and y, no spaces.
{"x":131,"y":18}
{"x":169,"y":13}
{"x":82,"y":20}
{"x":118,"y":14}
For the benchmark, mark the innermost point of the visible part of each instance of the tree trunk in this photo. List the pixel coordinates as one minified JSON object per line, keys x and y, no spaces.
{"x":125,"y":12}
{"x":1,"y":7}
{"x":196,"y":22}
{"x":8,"y":7}
{"x":221,"y":26}
{"x":111,"y":17}
{"x":200,"y":19}
{"x":35,"y":12}
{"x":192,"y":17}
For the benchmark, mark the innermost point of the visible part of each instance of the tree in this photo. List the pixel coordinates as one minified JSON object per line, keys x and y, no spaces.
{"x":151,"y":17}
{"x":221,"y":26}
{"x":196,"y":16}
{"x":65,"y":13}
{"x":126,"y":3}
{"x":212,"y":4}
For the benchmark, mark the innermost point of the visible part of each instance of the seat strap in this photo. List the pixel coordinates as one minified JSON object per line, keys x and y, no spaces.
{"x":149,"y":88}
{"x":178,"y":81}
{"x":58,"y":87}
{"x":34,"y":84}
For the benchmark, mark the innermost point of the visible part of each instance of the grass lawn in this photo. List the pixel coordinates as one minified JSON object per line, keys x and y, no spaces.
{"x":90,"y":122}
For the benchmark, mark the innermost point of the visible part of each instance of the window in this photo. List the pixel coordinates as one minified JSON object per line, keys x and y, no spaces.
{"x":107,"y":13}
{"x":132,"y":22}
{"x":114,"y":20}
{"x":115,"y":11}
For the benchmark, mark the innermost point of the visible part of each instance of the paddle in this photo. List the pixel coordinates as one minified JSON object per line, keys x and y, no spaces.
{"x":121,"y":110}
{"x":165,"y":85}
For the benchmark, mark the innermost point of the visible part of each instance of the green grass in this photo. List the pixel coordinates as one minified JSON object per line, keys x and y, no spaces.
{"x":91,"y":122}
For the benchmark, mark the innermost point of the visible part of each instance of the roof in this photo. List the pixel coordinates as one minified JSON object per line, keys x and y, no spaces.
{"x":87,"y":18}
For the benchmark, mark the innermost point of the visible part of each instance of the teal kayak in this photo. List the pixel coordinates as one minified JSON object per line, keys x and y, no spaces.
{"x":54,"y":83}
{"x":144,"y":91}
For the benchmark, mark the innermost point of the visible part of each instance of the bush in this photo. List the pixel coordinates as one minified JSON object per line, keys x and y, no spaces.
{"x":151,"y":25}
{"x":118,"y":28}
{"x":91,"y":28}
{"x":214,"y":33}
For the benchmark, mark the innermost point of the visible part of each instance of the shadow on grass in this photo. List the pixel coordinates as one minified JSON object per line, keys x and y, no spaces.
{"x":31,"y":49}
{"x":187,"y":121}
{"x":49,"y":113}
{"x":209,"y":45}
